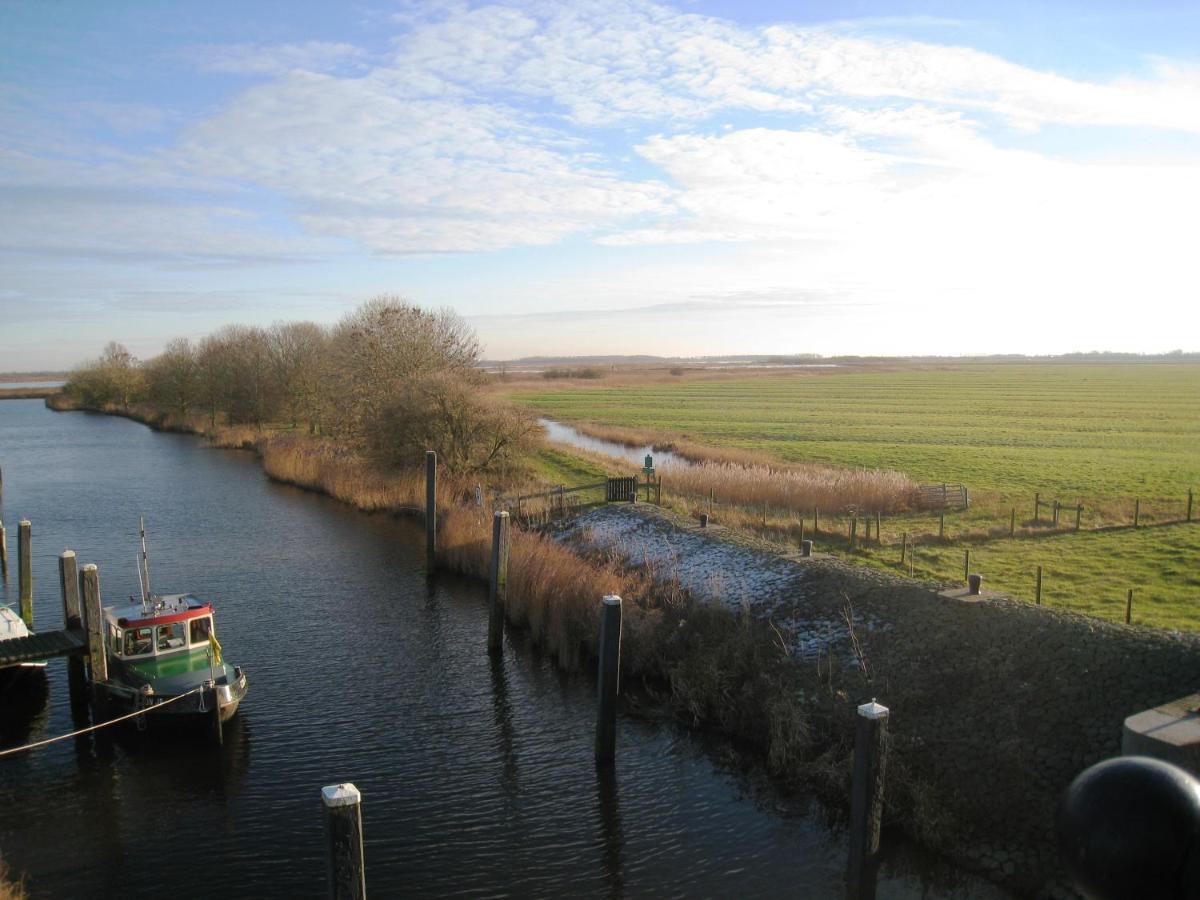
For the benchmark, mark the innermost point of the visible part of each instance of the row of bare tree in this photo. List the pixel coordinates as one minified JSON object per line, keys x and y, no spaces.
{"x":390,"y":379}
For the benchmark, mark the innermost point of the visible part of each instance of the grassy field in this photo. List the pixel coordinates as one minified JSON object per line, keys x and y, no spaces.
{"x":1100,"y":435}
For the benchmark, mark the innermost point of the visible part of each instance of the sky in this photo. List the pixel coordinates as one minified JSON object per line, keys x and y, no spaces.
{"x":606,"y":176}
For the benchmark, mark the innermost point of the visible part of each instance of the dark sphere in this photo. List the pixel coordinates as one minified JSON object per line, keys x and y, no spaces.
{"x":1129,"y":829}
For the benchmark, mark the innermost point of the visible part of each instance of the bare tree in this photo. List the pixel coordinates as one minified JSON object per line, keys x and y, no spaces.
{"x":173,"y":377}
{"x":299,"y":365}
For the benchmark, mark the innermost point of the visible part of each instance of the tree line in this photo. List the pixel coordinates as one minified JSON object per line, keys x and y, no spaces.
{"x":390,"y":380}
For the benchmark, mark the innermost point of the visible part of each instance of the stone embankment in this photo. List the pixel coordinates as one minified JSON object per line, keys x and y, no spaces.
{"x":996,"y":704}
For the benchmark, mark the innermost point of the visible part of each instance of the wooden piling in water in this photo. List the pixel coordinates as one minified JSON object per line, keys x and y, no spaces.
{"x":1037,"y":596}
{"x":215,"y":729}
{"x":866,"y":799}
{"x":25,"y":571}
{"x":1129,"y":607}
{"x":343,"y":820}
{"x":498,"y":582}
{"x":430,"y":511}
{"x":93,"y":618}
{"x":609,"y":680}
{"x":68,"y":576}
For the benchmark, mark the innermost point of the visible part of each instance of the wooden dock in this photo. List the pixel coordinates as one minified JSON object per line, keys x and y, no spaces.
{"x":46,"y":645}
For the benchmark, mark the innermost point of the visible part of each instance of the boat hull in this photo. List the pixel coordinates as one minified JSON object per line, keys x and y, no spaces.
{"x":195,"y":709}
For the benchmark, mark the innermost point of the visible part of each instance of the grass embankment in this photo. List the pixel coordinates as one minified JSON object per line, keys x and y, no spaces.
{"x":1099,"y":435}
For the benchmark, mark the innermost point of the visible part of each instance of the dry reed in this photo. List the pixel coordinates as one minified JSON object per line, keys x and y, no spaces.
{"x":10,"y":889}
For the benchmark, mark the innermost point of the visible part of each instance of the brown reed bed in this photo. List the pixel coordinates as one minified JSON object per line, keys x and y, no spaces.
{"x":11,"y":889}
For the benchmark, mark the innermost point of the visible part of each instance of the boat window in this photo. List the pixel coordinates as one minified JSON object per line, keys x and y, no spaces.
{"x":114,"y":635}
{"x":137,"y":641}
{"x":201,"y":629}
{"x":170,"y":637}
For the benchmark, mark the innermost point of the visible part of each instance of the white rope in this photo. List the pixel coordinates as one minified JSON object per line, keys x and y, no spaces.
{"x":63,"y":737}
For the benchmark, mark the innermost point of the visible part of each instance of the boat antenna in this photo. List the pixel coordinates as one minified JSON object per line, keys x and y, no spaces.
{"x":145,"y":562}
{"x":141,"y":585}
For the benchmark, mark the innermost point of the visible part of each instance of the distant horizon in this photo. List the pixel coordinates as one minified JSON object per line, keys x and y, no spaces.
{"x":692,"y":177}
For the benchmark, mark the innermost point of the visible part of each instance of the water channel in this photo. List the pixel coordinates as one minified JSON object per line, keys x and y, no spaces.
{"x":477,"y":778}
{"x":566,"y":434}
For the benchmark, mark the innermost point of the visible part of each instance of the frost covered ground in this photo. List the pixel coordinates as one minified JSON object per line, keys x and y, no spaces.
{"x":718,"y":566}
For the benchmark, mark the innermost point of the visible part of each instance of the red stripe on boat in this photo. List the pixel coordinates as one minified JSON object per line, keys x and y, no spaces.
{"x":166,"y":620}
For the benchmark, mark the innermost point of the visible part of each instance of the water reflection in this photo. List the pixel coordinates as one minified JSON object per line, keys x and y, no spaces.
{"x":609,"y":813}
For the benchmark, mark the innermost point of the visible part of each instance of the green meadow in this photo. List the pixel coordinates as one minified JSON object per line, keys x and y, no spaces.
{"x":1100,"y":435}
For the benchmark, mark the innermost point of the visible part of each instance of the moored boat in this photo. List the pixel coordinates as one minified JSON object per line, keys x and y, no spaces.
{"x":16,"y":674}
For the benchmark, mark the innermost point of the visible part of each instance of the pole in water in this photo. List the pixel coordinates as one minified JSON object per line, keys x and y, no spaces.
{"x":430,"y":510}
{"x":68,"y":575}
{"x":93,"y":618}
{"x":25,"y":571}
{"x":609,"y":680}
{"x":343,"y":820}
{"x":866,"y":799}
{"x":498,"y":582}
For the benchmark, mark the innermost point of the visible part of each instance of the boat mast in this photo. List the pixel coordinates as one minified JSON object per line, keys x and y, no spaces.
{"x":145,"y":562}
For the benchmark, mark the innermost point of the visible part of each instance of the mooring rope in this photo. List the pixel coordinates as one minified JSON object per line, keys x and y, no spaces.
{"x":63,"y":737}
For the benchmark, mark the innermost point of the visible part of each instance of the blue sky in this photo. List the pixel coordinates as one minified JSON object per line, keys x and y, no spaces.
{"x":609,"y":176}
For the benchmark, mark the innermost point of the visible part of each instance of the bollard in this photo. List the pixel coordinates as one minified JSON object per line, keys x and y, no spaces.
{"x":343,"y":818}
{"x":89,"y":583}
{"x":967,"y":565}
{"x":1038,"y":589}
{"x":498,"y":585}
{"x":974,"y":583}
{"x":1128,"y":826}
{"x":806,"y":548}
{"x":609,"y":681}
{"x":866,"y":798}
{"x":633,"y":494}
{"x":1129,"y":607}
{"x":703,"y":520}
{"x":430,"y":510}
{"x":3,"y":552}
{"x":25,"y":571}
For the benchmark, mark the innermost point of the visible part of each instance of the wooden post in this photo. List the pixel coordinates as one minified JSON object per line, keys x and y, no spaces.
{"x":658,"y":492}
{"x":25,"y":571}
{"x":1129,"y":607}
{"x":1137,"y":511}
{"x":1037,"y":507}
{"x":343,"y":818}
{"x":942,"y":524}
{"x":878,"y":532}
{"x":867,"y":530}
{"x":966,"y":565}
{"x":1078,"y":514}
{"x":802,"y":531}
{"x":1012,"y":523}
{"x":853,"y":530}
{"x":816,"y":530}
{"x":68,"y":577}
{"x":430,"y":510}
{"x":3,"y":552}
{"x":215,"y":728}
{"x":1189,"y":509}
{"x":710,"y":502}
{"x":498,"y":586}
{"x":903,"y":547}
{"x":93,"y":619}
{"x":1054,"y":513}
{"x":609,"y":681}
{"x":866,"y":798}
{"x":1037,"y":596}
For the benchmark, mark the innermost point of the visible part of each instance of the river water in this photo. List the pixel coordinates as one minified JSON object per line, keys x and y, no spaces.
{"x":477,"y":778}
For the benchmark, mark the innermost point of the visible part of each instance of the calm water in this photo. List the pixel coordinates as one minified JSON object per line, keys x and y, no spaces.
{"x":565,"y":434}
{"x":477,"y":778}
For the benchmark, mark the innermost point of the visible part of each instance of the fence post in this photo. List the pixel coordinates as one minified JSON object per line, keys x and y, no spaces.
{"x":1054,"y":513}
{"x":1037,"y":507}
{"x":343,"y":817}
{"x":903,"y":547}
{"x":852,"y":530}
{"x":1038,"y":590}
{"x":1129,"y":607}
{"x":609,"y":680}
{"x":1137,"y":511}
{"x":1189,"y":506}
{"x":1012,"y":523}
{"x":430,"y":510}
{"x":658,"y":492}
{"x":816,"y":530}
{"x":25,"y":571}
{"x":1078,"y":515}
{"x":801,"y":532}
{"x":942,"y":524}
{"x":966,"y":565}
{"x":498,"y":586}
{"x":878,"y":533}
{"x":710,"y":502}
{"x":866,"y":798}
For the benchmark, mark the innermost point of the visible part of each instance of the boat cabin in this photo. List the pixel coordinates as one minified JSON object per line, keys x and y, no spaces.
{"x":169,"y":624}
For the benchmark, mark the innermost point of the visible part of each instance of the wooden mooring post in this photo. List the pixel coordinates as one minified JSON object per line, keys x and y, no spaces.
{"x":498,"y":582}
{"x":68,"y":576}
{"x":430,"y":511}
{"x":609,"y":680}
{"x":866,"y":799}
{"x":25,"y":571}
{"x":1037,"y":594}
{"x":343,"y":819}
{"x":93,"y":617}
